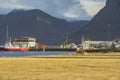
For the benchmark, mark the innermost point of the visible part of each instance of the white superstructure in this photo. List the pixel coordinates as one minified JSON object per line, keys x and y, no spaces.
{"x":25,"y":42}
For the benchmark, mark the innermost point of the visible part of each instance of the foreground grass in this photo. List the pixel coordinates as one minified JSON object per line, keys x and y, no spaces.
{"x":60,"y":68}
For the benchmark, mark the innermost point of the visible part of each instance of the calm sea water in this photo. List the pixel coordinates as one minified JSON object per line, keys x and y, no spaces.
{"x":17,"y":54}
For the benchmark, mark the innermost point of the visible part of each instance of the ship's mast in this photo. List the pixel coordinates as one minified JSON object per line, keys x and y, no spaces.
{"x":7,"y":36}
{"x":66,"y":41}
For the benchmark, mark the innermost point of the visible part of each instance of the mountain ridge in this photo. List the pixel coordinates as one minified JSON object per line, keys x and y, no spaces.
{"x":36,"y":23}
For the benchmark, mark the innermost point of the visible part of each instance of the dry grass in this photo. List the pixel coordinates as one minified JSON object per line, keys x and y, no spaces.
{"x":43,"y":68}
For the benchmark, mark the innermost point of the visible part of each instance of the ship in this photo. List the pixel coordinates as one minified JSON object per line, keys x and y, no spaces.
{"x":8,"y":46}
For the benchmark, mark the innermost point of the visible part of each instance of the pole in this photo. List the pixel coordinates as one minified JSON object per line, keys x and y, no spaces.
{"x":7,"y":35}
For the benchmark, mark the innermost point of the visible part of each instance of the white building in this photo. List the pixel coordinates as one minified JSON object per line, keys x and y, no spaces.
{"x":117,"y":43}
{"x":24,"y":42}
{"x":72,"y":45}
{"x":87,"y":45}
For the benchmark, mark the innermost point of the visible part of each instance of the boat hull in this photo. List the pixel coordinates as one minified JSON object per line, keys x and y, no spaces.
{"x":14,"y":49}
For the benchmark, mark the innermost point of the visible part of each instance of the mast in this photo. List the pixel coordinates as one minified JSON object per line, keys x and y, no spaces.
{"x":65,"y":43}
{"x":83,"y":39}
{"x":66,"y":38}
{"x":7,"y":36}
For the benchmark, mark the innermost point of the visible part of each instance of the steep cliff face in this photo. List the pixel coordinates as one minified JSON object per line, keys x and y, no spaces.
{"x":112,"y":3}
{"x":36,"y":23}
{"x":105,"y":25}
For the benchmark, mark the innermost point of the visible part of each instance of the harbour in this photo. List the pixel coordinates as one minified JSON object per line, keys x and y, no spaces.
{"x":60,"y":40}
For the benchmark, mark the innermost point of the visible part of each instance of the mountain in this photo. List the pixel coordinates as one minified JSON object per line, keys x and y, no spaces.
{"x":36,"y":23}
{"x":104,"y":26}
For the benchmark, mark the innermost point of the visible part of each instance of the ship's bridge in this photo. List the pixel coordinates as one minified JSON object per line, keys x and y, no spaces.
{"x":25,"y":42}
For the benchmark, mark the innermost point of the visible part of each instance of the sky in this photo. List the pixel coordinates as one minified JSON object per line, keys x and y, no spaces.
{"x":64,"y":9}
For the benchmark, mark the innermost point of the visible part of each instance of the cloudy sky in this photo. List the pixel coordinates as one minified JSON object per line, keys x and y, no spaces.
{"x":66,"y":9}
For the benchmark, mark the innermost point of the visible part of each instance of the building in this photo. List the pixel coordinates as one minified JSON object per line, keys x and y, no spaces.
{"x":25,"y":42}
{"x":91,"y":45}
{"x":72,"y":46}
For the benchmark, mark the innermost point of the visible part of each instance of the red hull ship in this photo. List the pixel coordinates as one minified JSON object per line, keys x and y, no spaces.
{"x":9,"y":47}
{"x":14,"y":49}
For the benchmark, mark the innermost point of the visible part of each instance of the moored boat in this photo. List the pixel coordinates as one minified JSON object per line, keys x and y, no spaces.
{"x":9,"y":47}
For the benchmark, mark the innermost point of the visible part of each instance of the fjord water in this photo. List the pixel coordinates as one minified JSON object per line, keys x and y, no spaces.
{"x":33,"y":53}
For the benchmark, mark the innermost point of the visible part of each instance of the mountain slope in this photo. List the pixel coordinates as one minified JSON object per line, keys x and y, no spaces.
{"x":35,"y":23}
{"x":105,"y":25}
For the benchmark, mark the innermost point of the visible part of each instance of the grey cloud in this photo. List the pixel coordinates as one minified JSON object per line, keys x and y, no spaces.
{"x":67,"y":9}
{"x":64,"y":8}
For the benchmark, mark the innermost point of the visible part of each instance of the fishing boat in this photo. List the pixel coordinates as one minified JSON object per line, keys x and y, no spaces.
{"x":8,"y":46}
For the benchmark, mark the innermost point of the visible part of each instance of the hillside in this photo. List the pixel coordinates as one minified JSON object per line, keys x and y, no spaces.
{"x":104,"y":26}
{"x":36,"y":23}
